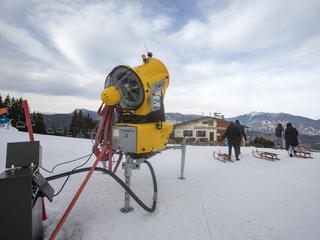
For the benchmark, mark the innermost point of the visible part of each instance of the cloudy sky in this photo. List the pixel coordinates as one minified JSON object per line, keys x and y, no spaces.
{"x":229,"y":56}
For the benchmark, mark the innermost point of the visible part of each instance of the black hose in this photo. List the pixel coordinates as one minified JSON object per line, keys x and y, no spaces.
{"x":59,"y":164}
{"x":65,"y":182}
{"x":123,"y":184}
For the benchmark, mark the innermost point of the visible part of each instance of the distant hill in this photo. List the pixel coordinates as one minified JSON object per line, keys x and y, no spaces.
{"x":256,"y":121}
{"x":260,"y":124}
{"x":63,"y":119}
{"x":57,"y":120}
{"x":267,"y":122}
{"x":179,"y":117}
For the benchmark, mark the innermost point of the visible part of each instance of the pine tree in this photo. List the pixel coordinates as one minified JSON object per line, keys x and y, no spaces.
{"x":17,"y":113}
{"x":39,"y":126}
{"x":1,"y":102}
{"x":7,"y":101}
{"x":81,"y":124}
{"x":73,"y":125}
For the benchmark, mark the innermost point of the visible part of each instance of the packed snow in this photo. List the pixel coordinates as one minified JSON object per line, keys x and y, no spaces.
{"x":248,"y":199}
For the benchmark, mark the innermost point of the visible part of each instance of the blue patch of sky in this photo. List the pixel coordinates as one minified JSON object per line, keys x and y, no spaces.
{"x":179,"y":11}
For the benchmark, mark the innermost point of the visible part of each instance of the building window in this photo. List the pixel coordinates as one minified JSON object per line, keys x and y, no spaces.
{"x":201,"y":133}
{"x":205,"y":122}
{"x":187,"y":133}
{"x":210,"y":123}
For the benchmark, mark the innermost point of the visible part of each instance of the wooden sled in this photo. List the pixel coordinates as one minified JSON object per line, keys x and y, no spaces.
{"x":265,"y":155}
{"x":314,"y":150}
{"x":223,"y":157}
{"x":302,"y":154}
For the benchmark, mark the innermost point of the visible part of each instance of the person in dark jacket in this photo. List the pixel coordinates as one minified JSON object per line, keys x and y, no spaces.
{"x":278,"y":133}
{"x":233,"y":136}
{"x":291,"y":135}
{"x":242,"y":132}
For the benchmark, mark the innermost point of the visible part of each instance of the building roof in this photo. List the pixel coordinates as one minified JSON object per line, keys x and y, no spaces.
{"x":200,"y":119}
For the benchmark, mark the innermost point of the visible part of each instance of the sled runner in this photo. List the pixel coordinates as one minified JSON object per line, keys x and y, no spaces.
{"x":265,"y":155}
{"x":223,"y":157}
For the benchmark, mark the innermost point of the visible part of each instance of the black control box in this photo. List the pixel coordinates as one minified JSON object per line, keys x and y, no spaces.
{"x":24,"y":154}
{"x":20,"y":211}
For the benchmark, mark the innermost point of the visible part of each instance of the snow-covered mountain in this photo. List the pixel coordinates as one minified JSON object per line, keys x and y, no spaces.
{"x":267,"y":122}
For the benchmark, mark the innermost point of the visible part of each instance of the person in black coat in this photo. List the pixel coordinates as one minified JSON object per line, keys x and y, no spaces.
{"x":242,"y":132}
{"x":291,"y":135}
{"x":233,"y":136}
{"x":278,"y":133}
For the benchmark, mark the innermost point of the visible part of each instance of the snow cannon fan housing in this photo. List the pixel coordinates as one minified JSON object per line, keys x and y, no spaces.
{"x":137,"y":93}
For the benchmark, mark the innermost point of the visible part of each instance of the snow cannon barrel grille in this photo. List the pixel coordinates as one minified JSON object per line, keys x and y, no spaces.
{"x":128,"y":85}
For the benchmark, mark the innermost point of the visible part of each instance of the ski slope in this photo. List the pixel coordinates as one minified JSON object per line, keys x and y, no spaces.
{"x":249,"y":199}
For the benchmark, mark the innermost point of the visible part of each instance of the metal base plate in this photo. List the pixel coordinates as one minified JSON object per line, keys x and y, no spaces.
{"x":126,"y":210}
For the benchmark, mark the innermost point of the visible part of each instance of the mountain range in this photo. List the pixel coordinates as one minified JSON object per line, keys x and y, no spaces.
{"x":267,"y":122}
{"x":259,"y":123}
{"x":62,"y":120}
{"x":256,"y":121}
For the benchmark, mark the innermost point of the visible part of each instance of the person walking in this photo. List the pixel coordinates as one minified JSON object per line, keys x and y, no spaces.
{"x":278,"y":133}
{"x":291,"y":135}
{"x":242,"y":132}
{"x":233,"y":136}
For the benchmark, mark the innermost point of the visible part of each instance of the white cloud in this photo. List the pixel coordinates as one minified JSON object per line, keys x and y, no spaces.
{"x":237,"y":57}
{"x":25,"y":42}
{"x":98,"y":35}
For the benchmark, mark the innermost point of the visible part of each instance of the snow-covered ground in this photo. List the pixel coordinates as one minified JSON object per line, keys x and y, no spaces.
{"x":249,"y":199}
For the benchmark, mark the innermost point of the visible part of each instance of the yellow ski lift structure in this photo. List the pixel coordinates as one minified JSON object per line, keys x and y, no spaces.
{"x":60,"y":131}
{"x":20,"y":124}
{"x":68,"y":134}
{"x":80,"y":135}
{"x":50,"y":131}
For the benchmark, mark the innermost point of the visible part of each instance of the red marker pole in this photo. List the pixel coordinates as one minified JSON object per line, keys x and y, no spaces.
{"x":31,"y":137}
{"x":28,"y":119}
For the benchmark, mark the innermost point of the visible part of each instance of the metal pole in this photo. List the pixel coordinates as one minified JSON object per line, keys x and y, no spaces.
{"x":104,"y":163}
{"x":183,"y":158}
{"x":127,"y":175}
{"x":8,"y":124}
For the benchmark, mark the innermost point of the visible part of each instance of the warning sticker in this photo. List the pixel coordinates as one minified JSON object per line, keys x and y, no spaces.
{"x":157,"y":86}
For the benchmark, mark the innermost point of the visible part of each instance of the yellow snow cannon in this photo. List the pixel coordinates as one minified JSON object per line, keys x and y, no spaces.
{"x":137,"y":94}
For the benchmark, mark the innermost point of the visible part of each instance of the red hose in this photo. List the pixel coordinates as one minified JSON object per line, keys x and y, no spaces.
{"x":105,"y":127}
{"x":76,"y":196}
